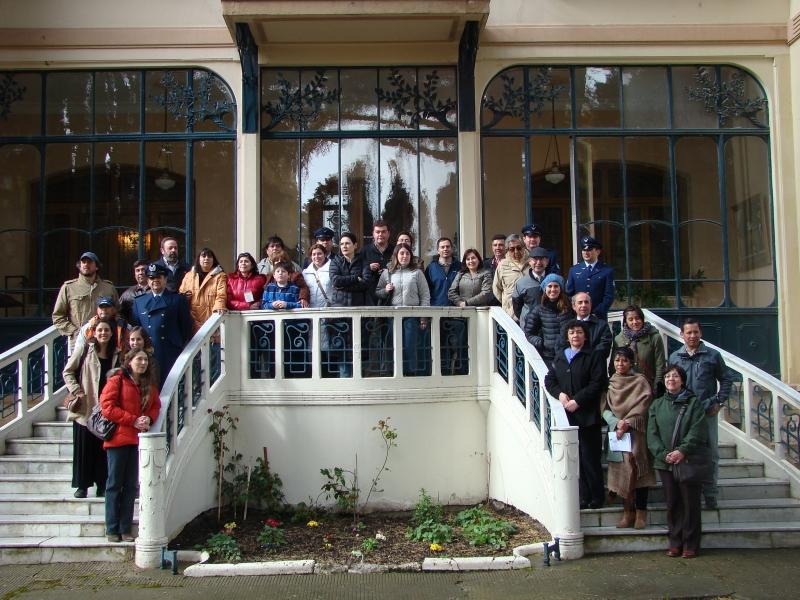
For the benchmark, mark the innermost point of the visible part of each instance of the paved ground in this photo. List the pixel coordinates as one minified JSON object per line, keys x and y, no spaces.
{"x":734,"y":574}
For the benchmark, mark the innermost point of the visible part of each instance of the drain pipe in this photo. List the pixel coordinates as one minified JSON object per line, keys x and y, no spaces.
{"x":152,"y":527}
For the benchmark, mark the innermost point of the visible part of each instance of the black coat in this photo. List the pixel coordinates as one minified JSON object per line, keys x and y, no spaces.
{"x":350,"y":281}
{"x":583,"y":380}
{"x":542,"y":327}
{"x":600,"y":336}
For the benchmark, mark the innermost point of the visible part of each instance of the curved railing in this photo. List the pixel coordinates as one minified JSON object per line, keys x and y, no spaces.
{"x":30,"y":382}
{"x":762,"y":412}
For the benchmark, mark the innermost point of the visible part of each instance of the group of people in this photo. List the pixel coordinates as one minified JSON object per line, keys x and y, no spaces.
{"x":122,"y":349}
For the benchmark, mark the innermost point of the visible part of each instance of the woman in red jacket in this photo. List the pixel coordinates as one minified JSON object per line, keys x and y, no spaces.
{"x":130,"y":399}
{"x":246,"y":284}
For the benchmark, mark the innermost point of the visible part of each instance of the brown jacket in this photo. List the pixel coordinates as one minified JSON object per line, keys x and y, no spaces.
{"x":77,"y":303}
{"x":505,"y":277}
{"x":207,"y":297}
{"x":87,"y":381}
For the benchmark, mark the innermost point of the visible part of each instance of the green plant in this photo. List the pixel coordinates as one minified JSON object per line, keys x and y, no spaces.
{"x":222,"y":423}
{"x":265,"y":489}
{"x":432,"y":532}
{"x":368,"y":545}
{"x":304,"y":512}
{"x":271,"y":535}
{"x":480,"y":528}
{"x":223,"y":546}
{"x":426,"y":510}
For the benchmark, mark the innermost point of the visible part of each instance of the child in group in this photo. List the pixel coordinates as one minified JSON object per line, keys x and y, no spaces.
{"x":280,"y":293}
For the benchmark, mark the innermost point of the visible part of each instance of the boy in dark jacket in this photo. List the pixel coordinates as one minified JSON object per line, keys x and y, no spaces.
{"x":279,"y":293}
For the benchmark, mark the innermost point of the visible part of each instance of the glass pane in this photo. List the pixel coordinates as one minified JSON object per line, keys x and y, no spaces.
{"x":165,"y":195}
{"x":117,"y":101}
{"x":647,"y":180}
{"x":550,"y":193}
{"x":688,"y":113}
{"x":116,"y":185}
{"x":24,"y":97}
{"x":319,"y":92}
{"x":399,"y":186}
{"x":279,"y":193}
{"x":752,"y":294}
{"x":158,"y":118}
{"x":503,"y":101}
{"x":359,"y":104}
{"x":359,"y":188}
{"x":117,"y":247}
{"x":749,"y":220}
{"x":650,"y":251}
{"x":697,"y":174}
{"x":612,"y":236}
{"x":700,"y":250}
{"x":438,"y":194}
{"x":416,"y":348}
{"x":645,"y":94}
{"x":19,"y":199}
{"x":699,"y":294}
{"x":215,"y":199}
{"x":397,"y":108}
{"x":336,"y":347}
{"x":553,"y":85}
{"x":377,"y":347}
{"x":503,"y":187}
{"x":597,"y":93}
{"x":319,"y":185}
{"x":69,"y":103}
{"x":214,"y":108}
{"x":438,"y":93}
{"x":62,"y":249}
{"x":747,"y":91}
{"x":647,"y":294}
{"x":277,"y":88}
{"x":599,"y":177}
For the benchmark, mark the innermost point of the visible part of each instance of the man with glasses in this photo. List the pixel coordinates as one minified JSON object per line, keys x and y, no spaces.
{"x":510,"y":269}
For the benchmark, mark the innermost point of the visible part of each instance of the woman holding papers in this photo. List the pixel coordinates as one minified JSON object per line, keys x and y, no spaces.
{"x":630,"y":472}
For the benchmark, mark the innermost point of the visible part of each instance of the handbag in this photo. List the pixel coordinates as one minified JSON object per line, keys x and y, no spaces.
{"x":694,"y":468}
{"x":72,"y":402}
{"x":100,"y":426}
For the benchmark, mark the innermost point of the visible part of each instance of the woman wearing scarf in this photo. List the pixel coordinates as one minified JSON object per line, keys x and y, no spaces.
{"x":647,"y":346}
{"x":630,"y":474}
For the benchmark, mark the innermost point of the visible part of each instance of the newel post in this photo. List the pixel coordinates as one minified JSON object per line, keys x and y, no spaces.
{"x":152,"y":525}
{"x":566,"y":499}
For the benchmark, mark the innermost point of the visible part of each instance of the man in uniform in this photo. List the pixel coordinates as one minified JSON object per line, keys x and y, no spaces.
{"x":77,"y":298}
{"x":594,"y":276}
{"x":324,"y":237}
{"x":166,"y":318}
{"x":532,"y":236}
{"x":176,"y":268}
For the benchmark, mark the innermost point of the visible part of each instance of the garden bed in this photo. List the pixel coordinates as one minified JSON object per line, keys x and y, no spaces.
{"x":332,"y":541}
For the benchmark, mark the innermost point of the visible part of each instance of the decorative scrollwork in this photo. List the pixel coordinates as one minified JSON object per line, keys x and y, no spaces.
{"x":299,"y":105}
{"x":454,"y":336}
{"x":297,"y":348}
{"x":501,"y":351}
{"x":535,"y":401}
{"x":182,"y":102}
{"x":790,"y":433}
{"x":515,"y":100}
{"x":9,"y":386}
{"x":762,"y":422}
{"x":262,"y":350}
{"x":10,"y":91}
{"x":519,"y":375}
{"x":726,"y":98}
{"x":409,"y":101}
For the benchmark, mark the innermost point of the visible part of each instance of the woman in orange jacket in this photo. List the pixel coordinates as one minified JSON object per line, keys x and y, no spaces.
{"x":205,"y":287}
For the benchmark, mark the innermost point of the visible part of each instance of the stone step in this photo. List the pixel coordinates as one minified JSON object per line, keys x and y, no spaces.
{"x":599,"y":540}
{"x":734,"y":468}
{"x":740,"y":489}
{"x":783,"y":510}
{"x":42,"y":550}
{"x":31,"y":464}
{"x":18,"y":526}
{"x":53,"y":430}
{"x":727,"y":450}
{"x":39,"y":447}
{"x":61,"y":414}
{"x":53,"y":504}
{"x":26,"y":483}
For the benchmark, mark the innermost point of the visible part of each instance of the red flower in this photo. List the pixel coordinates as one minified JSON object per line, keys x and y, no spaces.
{"x":272,"y":523}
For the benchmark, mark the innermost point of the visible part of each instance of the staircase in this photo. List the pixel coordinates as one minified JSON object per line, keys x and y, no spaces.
{"x":754,"y":512}
{"x":40,"y":520}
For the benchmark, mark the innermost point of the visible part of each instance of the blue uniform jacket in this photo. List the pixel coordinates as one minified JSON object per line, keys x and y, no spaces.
{"x":599,"y":285}
{"x":438,"y":282}
{"x":168,"y":323}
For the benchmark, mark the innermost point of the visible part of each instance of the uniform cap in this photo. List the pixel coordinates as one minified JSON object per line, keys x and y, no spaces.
{"x":156,"y":270}
{"x":531,"y":229}
{"x":588,"y":242}
{"x":323,"y":232}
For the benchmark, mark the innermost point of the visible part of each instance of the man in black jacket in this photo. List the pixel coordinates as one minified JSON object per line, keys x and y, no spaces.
{"x":577,"y":379}
{"x":600,"y":337}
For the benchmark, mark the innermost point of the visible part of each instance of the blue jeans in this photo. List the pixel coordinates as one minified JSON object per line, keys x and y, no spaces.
{"x":123,"y":476}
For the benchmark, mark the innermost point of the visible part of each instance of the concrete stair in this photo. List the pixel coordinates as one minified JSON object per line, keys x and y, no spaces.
{"x":754,"y":512}
{"x":40,"y":520}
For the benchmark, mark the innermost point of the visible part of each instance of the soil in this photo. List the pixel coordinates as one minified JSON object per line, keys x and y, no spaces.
{"x":332,"y":542}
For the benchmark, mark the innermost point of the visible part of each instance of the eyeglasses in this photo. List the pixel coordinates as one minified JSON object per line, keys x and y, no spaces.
{"x":515,"y":248}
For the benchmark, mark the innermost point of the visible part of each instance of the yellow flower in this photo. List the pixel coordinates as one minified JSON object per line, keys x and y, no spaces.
{"x":436,"y":548}
{"x":230,"y":526}
{"x":312,"y":524}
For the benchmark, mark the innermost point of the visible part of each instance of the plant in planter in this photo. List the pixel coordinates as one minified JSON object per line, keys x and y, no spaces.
{"x":271,"y":535}
{"x":429,"y":523}
{"x":223,"y":546}
{"x":480,"y":528}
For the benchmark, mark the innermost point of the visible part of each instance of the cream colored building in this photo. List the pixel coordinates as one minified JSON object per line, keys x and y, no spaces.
{"x":670,"y":127}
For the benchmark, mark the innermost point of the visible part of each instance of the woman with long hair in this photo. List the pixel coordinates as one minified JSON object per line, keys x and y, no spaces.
{"x":544,"y":322}
{"x":85,"y":376}
{"x":318,"y":277}
{"x":473,"y":283}
{"x":630,"y":474}
{"x":644,"y":340}
{"x":205,"y":287}
{"x":130,"y":399}
{"x":245,"y":284}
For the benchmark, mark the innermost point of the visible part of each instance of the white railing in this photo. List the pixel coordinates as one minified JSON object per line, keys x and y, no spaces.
{"x":762,"y":413}
{"x":30,"y":382}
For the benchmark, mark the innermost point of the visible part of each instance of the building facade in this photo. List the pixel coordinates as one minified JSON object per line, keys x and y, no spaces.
{"x":667,"y":131}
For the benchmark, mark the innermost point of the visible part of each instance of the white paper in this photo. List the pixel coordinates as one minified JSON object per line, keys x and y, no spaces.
{"x":619,"y":445}
{"x":248,"y":296}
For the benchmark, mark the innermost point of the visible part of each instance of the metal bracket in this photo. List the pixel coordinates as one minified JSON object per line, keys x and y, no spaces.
{"x":553,"y":549}
{"x":169,"y":559}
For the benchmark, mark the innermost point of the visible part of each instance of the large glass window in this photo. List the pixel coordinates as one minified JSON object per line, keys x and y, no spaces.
{"x":667,"y":166}
{"x":342,"y":148}
{"x":109,"y":161}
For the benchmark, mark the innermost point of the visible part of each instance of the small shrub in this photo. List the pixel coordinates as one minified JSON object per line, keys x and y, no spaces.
{"x":271,"y":536}
{"x":368,"y":545}
{"x":304,"y":512}
{"x":432,"y":532}
{"x":480,"y":528}
{"x":426,"y":510}
{"x":222,"y":546}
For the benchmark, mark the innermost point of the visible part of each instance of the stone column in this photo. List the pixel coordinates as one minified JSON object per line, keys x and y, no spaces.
{"x":152,"y":524}
{"x":565,"y":492}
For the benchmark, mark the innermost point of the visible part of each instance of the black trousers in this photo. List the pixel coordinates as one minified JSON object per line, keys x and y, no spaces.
{"x":88,"y":459}
{"x":683,"y":512}
{"x":590,"y":447}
